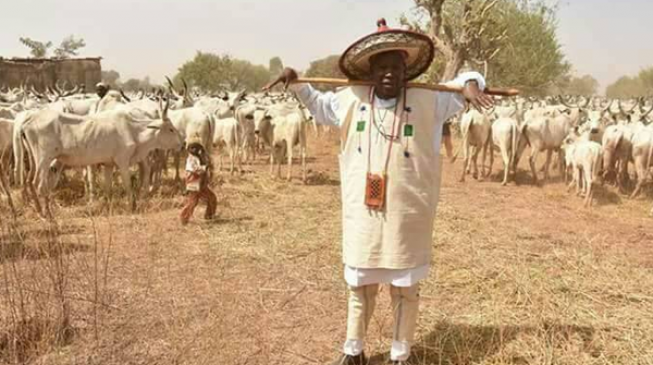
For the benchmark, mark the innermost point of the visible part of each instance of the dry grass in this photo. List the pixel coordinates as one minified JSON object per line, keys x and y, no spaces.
{"x":521,"y":275}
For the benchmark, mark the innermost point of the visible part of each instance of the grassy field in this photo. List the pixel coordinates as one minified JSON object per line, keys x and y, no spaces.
{"x":520,"y":275}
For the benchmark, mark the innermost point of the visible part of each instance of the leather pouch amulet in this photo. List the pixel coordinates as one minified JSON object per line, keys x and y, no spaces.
{"x":375,"y":187}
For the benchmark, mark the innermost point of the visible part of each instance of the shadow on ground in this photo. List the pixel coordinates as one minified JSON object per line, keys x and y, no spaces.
{"x":450,"y":343}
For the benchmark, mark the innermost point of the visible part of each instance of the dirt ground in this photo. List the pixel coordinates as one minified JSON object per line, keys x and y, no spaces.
{"x":520,"y":275}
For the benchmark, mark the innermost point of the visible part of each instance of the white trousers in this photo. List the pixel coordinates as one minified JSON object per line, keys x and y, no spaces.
{"x":405,"y":305}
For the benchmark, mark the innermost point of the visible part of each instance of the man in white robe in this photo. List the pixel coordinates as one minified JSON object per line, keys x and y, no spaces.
{"x":394,"y":133}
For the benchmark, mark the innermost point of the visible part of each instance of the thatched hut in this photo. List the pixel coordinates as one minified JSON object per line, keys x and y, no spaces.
{"x":42,"y":72}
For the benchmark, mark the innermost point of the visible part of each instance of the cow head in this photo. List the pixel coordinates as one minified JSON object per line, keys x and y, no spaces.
{"x":167,"y":136}
{"x":638,"y":113}
{"x":262,"y":120}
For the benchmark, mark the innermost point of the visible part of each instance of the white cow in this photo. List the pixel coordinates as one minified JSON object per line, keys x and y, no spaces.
{"x":546,"y":134}
{"x":225,"y":135}
{"x":192,"y":122}
{"x":17,"y":145}
{"x":505,"y":135}
{"x":585,"y":159}
{"x":6,"y":142}
{"x":288,"y":131}
{"x":476,"y":130}
{"x":617,"y":153}
{"x":642,"y":154}
{"x":111,"y":137}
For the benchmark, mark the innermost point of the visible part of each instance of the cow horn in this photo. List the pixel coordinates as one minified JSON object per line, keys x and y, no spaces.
{"x":187,"y":95}
{"x":164,"y":114}
{"x":565,"y":103}
{"x":122,"y":93}
{"x":626,"y":112}
{"x":644,"y":115}
{"x":171,"y":87}
{"x":607,"y":108}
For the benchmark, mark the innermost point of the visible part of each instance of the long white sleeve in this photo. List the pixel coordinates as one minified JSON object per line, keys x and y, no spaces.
{"x":448,"y":104}
{"x":322,"y":105}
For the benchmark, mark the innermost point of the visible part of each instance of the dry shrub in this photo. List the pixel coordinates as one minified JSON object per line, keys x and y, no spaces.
{"x":520,"y":275}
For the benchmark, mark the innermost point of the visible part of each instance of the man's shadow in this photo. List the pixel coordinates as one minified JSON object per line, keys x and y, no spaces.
{"x":451,"y":343}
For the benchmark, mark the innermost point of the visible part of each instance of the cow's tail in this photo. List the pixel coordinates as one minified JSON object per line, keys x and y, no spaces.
{"x":513,"y":145}
{"x":209,"y":143}
{"x":649,"y":162}
{"x":237,"y":145}
{"x":464,"y":132}
{"x":610,"y":156}
{"x":524,"y":129}
{"x":598,"y":167}
{"x":33,"y":173}
{"x":19,"y":161}
{"x":19,"y":150}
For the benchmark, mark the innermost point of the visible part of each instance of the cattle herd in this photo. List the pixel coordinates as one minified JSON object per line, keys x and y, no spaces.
{"x":42,"y":134}
{"x":592,"y":140}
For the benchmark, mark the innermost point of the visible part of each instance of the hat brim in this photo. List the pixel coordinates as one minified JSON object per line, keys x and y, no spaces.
{"x":419,"y":49}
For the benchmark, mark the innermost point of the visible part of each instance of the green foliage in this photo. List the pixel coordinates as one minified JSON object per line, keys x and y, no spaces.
{"x":516,"y":38}
{"x":531,"y":57}
{"x":325,"y":67}
{"x":626,"y":87}
{"x":584,"y":85}
{"x":69,"y":47}
{"x":37,"y":49}
{"x":111,"y":77}
{"x":212,"y":72}
{"x":646,"y":78}
{"x":134,"y":84}
{"x":275,"y":67}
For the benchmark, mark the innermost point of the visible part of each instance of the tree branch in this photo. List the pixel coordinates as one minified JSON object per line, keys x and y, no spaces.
{"x":434,"y":8}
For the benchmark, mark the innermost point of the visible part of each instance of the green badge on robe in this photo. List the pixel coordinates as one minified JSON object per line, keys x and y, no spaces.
{"x":408,"y":130}
{"x":360,"y":126}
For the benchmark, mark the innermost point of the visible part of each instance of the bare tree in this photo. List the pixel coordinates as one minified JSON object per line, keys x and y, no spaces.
{"x":460,"y":31}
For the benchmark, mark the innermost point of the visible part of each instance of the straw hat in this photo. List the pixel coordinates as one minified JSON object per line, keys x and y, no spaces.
{"x":418,"y":48}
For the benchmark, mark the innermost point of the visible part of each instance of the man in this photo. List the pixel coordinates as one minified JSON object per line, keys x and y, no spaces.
{"x":390,"y":174}
{"x":101,"y":89}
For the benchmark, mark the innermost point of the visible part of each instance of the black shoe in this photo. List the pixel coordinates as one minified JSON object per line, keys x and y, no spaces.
{"x":350,"y":360}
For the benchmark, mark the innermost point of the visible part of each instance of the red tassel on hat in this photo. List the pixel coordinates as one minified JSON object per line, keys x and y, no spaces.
{"x":382,"y":25}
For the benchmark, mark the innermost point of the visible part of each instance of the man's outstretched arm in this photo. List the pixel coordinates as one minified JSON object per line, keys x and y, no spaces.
{"x":323,"y":106}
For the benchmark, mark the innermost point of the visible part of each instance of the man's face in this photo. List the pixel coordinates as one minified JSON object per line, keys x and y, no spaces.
{"x":102,"y":90}
{"x":388,"y":73}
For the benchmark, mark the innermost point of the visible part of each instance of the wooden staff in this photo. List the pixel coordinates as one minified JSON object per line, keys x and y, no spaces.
{"x":437,"y":87}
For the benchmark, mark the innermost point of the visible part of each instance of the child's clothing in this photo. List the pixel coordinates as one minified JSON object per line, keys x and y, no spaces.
{"x":198,"y":189}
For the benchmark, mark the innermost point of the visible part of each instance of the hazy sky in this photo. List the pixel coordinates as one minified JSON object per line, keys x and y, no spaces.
{"x":604,"y":38}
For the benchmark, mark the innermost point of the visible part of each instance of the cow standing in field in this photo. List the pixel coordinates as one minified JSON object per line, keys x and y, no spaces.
{"x":191,"y":122}
{"x":289,"y":131}
{"x":283,"y":127}
{"x":505,"y":135}
{"x":6,"y":141}
{"x":642,"y":154}
{"x":226,"y":136}
{"x":112,"y":137}
{"x":584,"y":158}
{"x":6,"y":137}
{"x":546,"y":133}
{"x":476,"y":131}
{"x":617,"y":153}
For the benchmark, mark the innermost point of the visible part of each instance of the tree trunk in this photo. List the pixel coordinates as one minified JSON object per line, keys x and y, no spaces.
{"x":453,"y":66}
